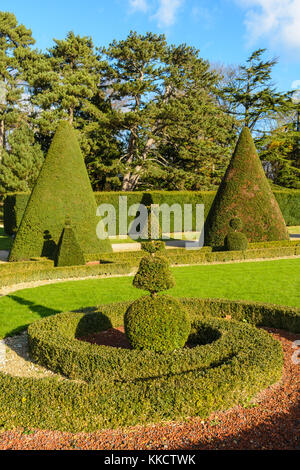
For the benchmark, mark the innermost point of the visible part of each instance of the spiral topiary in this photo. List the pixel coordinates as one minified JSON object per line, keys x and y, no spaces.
{"x":156,"y":322}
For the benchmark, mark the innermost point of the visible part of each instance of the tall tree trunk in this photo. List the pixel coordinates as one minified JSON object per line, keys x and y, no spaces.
{"x":71,"y":116}
{"x":2,"y":138}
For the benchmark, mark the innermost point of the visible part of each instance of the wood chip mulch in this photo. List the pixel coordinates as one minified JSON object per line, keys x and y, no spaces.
{"x":271,"y":422}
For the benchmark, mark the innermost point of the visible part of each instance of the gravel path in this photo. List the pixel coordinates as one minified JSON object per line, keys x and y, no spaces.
{"x":271,"y":422}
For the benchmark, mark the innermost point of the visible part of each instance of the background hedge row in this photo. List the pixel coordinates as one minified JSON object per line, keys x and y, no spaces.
{"x":288,"y":200}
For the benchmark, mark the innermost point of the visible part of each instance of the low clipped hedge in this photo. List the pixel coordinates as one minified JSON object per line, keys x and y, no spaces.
{"x":54,"y":344}
{"x":117,"y":387}
{"x":38,"y":272}
{"x":127,"y":262}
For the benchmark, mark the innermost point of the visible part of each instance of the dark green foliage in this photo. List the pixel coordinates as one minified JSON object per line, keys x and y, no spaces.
{"x":158,"y":323}
{"x":289,"y":203}
{"x":13,"y":211}
{"x":245,"y":193}
{"x":15,"y":42}
{"x":21,"y":161}
{"x":63,"y":187}
{"x":69,"y":252}
{"x":154,"y":275}
{"x":236,"y":223}
{"x":192,"y":147}
{"x":250,"y":95}
{"x":236,"y":241}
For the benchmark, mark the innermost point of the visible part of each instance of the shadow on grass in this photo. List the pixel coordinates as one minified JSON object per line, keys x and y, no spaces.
{"x":41,"y":310}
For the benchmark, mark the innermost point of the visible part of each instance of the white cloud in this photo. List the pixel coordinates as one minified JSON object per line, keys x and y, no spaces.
{"x":278,"y":20}
{"x":167,"y":10}
{"x":164,"y":11}
{"x":139,"y":5}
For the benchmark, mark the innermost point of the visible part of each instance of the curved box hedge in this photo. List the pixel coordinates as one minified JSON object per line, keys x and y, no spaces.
{"x":235,"y":364}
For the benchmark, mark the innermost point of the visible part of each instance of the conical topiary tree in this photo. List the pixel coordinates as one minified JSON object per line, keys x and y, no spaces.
{"x":156,"y":322}
{"x":68,"y":251}
{"x":63,"y":187}
{"x":245,"y":193}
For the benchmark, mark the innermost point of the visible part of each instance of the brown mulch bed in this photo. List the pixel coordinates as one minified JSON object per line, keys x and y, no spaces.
{"x":114,"y":337}
{"x":272,"y":422}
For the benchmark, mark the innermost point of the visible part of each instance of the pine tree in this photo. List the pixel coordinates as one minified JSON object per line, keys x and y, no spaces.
{"x":64,"y":80}
{"x":173,"y":132}
{"x":62,"y":187}
{"x":15,"y":42}
{"x":21,"y":161}
{"x":280,"y":151}
{"x":250,"y":95}
{"x":245,"y":193}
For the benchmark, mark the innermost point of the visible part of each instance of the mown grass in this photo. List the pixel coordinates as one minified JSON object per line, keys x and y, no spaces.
{"x":275,"y":282}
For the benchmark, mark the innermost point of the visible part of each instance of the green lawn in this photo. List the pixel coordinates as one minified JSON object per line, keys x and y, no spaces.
{"x":269,"y":281}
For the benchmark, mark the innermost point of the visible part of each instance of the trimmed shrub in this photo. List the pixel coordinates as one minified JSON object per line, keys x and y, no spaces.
{"x":157,"y":323}
{"x":63,"y":187}
{"x":69,"y":252}
{"x":40,"y":272}
{"x":153,"y":246}
{"x":154,"y":275}
{"x":236,"y":241}
{"x":245,"y":193}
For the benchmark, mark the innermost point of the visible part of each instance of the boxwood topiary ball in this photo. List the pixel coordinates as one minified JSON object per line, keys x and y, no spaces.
{"x":158,"y":323}
{"x":236,"y":241}
{"x":154,"y":274}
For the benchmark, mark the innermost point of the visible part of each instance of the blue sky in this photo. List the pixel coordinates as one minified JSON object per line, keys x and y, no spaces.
{"x":225,"y":31}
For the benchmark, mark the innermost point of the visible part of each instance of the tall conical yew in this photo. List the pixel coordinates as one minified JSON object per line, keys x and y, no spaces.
{"x":63,"y":187}
{"x":245,"y":193}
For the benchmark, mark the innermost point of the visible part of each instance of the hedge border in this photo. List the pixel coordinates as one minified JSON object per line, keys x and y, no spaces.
{"x":125,"y":263}
{"x":74,"y":406}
